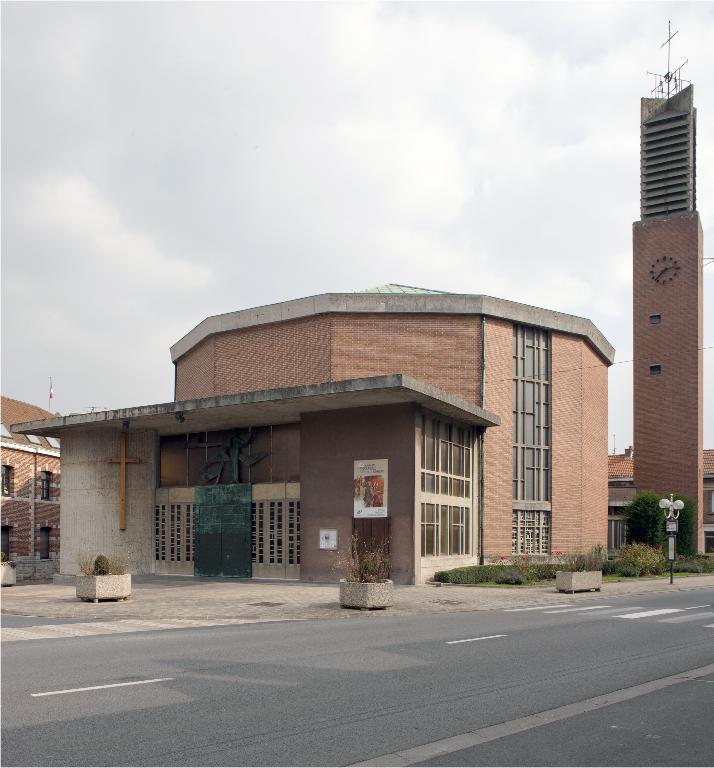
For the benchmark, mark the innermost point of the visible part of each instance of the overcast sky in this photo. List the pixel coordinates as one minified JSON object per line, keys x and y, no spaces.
{"x":165,"y":162}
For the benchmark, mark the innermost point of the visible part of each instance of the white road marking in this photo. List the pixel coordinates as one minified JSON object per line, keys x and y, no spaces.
{"x":688,"y":617}
{"x":692,"y":607}
{"x":536,"y":608}
{"x":473,"y":639}
{"x":588,"y":608}
{"x":644,"y":614}
{"x":709,"y":626}
{"x":98,"y":687}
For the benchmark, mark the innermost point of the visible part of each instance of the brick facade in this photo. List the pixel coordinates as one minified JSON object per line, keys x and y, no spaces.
{"x":22,"y":509}
{"x":668,"y":411}
{"x":444,"y":350}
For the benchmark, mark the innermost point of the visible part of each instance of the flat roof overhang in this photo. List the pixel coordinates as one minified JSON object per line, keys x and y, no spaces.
{"x":448,"y":303}
{"x":270,"y":407}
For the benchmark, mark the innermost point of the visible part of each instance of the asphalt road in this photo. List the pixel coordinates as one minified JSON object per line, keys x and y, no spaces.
{"x":549,"y":686}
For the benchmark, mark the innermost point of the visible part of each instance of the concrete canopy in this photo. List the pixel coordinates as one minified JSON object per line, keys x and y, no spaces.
{"x":270,"y":406}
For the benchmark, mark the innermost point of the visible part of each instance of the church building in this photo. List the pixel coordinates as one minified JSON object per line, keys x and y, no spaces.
{"x":462,"y":428}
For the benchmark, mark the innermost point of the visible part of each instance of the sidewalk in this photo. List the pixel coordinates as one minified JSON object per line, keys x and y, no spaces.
{"x":157,"y":598}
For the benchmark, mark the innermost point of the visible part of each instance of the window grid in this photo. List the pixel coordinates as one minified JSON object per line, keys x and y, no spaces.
{"x":445,"y":458}
{"x":530,"y":533}
{"x":173,"y":532}
{"x":445,"y":530}
{"x":531,"y":404}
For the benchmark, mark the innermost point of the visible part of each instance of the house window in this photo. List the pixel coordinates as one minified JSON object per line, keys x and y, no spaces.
{"x":34,"y":439}
{"x":6,"y":540}
{"x":656,"y":319}
{"x":530,"y":532}
{"x":429,"y":530}
{"x":655,"y":370}
{"x":45,"y":485}
{"x":708,"y":542}
{"x":45,"y":543}
{"x":6,"y":480}
{"x":616,"y":533}
{"x":531,"y":414}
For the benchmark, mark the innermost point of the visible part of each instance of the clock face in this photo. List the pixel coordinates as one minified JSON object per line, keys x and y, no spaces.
{"x":664,"y":270}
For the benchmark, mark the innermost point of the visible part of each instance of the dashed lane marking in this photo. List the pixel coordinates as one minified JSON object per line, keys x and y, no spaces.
{"x":474,"y":639}
{"x":581,"y":609}
{"x":98,"y":687}
{"x":644,"y":614}
{"x":536,"y":608}
{"x":688,"y":617}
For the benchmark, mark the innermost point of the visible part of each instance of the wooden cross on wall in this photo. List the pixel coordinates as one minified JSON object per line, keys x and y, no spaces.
{"x":122,"y":461}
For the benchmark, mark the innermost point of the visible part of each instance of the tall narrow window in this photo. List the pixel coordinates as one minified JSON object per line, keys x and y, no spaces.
{"x":6,"y":480}
{"x":6,"y":540}
{"x":45,"y":543}
{"x":45,"y":485}
{"x":531,"y":414}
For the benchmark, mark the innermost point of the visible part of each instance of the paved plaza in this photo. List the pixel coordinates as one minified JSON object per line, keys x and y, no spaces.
{"x":159,"y":603}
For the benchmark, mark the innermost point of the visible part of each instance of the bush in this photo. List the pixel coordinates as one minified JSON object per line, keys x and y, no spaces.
{"x":688,"y":566}
{"x":364,"y":560}
{"x":542,"y":571}
{"x":627,"y":570}
{"x":645,"y":520}
{"x":117,"y":565}
{"x":85,"y":563}
{"x":469,"y":574}
{"x":509,"y":576}
{"x":3,"y":556}
{"x":648,"y":560}
{"x":609,"y":567}
{"x":583,"y":562}
{"x":101,"y":566}
{"x":686,"y":535}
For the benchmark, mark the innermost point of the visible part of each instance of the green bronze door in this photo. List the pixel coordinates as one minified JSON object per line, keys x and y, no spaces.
{"x":222,"y":530}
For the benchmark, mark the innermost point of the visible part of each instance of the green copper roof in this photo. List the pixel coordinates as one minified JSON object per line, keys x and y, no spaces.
{"x":395,"y":288}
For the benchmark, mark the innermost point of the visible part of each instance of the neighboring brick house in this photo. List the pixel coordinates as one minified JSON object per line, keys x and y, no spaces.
{"x":622,"y":489}
{"x":30,"y":501}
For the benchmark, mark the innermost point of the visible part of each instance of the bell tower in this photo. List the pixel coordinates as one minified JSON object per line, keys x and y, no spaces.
{"x":668,"y":300}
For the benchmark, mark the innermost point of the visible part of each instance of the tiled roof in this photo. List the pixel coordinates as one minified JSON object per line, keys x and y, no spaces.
{"x":709,"y":461}
{"x":16,"y":412}
{"x":619,"y":467}
{"x":396,"y":288}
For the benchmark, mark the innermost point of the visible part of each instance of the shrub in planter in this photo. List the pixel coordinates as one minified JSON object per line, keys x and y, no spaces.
{"x":648,"y":560}
{"x":580,"y":572}
{"x":102,"y":578}
{"x":366,"y":567}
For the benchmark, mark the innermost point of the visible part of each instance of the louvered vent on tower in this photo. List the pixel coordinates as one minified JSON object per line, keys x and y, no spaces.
{"x":668,"y":157}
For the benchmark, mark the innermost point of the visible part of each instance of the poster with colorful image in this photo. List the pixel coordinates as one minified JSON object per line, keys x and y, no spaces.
{"x":370,"y":488}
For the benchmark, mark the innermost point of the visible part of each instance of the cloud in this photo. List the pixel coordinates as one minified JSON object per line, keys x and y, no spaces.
{"x":163,"y":162}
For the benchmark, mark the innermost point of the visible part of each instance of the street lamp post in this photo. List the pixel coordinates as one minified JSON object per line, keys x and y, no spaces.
{"x":671,"y":513}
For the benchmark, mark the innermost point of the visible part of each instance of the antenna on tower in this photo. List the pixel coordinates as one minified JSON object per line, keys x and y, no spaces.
{"x":671,"y":83}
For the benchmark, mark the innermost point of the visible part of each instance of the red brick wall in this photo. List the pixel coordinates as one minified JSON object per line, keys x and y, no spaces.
{"x":443,"y":350}
{"x":195,"y":371}
{"x":579,"y":446}
{"x":15,"y":510}
{"x":498,"y":449}
{"x":668,"y":426}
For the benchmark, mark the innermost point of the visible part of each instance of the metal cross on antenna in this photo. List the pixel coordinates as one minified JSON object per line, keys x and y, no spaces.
{"x":673,"y":78}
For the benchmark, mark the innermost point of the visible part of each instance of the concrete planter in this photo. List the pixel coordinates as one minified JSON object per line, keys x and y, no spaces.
{"x":356,"y":594}
{"x":9,"y":575}
{"x":96,"y":588}
{"x":578,"y":581}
